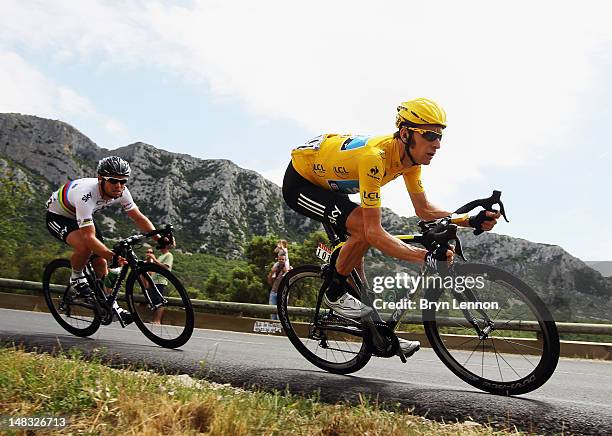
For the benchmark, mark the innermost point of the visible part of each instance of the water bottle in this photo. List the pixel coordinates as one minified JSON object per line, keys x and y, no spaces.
{"x":111,"y":277}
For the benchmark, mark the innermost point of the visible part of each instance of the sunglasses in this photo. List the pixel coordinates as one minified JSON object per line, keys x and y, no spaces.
{"x":429,"y":135}
{"x":114,"y":181}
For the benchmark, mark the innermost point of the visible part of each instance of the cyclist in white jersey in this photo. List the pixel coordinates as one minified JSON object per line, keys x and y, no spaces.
{"x":70,"y":219}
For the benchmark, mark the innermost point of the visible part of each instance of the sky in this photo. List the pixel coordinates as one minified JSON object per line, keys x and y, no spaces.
{"x":526,"y":86}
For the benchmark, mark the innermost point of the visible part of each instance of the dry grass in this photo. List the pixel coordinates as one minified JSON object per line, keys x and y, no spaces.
{"x":100,"y":400}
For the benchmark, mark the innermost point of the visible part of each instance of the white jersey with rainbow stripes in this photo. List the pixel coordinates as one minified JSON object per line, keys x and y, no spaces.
{"x":80,"y":198}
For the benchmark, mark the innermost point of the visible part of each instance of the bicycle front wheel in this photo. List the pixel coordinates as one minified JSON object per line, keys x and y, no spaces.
{"x":333,"y":351}
{"x":163,"y":313}
{"x":517,"y":348}
{"x":75,"y":314}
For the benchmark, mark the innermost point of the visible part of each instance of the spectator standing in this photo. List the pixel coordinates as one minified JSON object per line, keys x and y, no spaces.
{"x":281,"y":249}
{"x":274,"y":278}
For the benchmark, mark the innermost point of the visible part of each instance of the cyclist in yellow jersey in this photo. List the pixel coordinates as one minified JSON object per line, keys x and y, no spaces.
{"x":325,"y":170}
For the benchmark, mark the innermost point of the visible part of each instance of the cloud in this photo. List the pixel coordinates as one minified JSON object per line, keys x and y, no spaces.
{"x":24,"y":89}
{"x":515,"y":78}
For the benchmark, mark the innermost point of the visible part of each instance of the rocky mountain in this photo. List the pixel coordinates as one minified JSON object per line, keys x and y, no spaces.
{"x":217,"y":206}
{"x":603,"y":266}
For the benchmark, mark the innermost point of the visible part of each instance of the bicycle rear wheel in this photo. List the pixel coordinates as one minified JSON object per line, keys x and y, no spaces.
{"x":73,"y":313}
{"x":333,"y":351}
{"x":171,"y":324}
{"x":506,"y":361}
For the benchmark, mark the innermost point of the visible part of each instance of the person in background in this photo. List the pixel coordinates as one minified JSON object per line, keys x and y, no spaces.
{"x":281,"y":249}
{"x":274,"y":278}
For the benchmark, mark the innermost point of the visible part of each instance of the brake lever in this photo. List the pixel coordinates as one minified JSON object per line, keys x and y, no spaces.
{"x":487,"y":204}
{"x":451,"y":235}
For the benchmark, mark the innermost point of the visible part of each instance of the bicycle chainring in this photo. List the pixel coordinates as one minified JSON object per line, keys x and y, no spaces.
{"x":388,"y":335}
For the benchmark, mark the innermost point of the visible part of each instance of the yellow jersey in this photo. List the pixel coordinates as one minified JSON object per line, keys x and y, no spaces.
{"x":355,"y":164}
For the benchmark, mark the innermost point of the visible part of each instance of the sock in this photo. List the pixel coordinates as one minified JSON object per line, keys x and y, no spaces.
{"x":336,"y":288}
{"x":115,"y":305}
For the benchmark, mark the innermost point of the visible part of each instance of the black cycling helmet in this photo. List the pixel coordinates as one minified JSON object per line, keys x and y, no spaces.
{"x":113,"y":166}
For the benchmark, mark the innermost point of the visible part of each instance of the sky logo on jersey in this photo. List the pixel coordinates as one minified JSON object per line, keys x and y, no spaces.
{"x":344,"y":186}
{"x":354,"y":142}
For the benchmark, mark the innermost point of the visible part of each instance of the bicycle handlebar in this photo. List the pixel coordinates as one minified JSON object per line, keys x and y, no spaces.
{"x":442,"y":231}
{"x":486,"y":204}
{"x":135,"y":239}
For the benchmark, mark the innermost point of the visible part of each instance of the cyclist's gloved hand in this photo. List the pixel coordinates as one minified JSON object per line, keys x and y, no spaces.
{"x":484,"y":220}
{"x":165,"y":241}
{"x":118,"y":260}
{"x":115,"y":263}
{"x":437,"y":260}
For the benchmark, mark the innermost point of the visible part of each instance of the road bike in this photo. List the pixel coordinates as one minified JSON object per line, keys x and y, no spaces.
{"x":83,"y":315}
{"x":487,"y":326}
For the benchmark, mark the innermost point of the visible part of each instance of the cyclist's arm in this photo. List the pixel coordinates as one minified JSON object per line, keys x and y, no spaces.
{"x":142,"y":222}
{"x":424,"y":208}
{"x":88,"y":233}
{"x":378,"y":237}
{"x":427,"y":211}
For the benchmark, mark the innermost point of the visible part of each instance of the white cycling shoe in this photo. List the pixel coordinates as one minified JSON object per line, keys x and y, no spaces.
{"x":408,"y":348}
{"x":348,"y":306}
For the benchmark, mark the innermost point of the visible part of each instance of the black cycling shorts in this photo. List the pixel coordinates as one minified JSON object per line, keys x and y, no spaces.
{"x":315,"y":202}
{"x":60,"y":226}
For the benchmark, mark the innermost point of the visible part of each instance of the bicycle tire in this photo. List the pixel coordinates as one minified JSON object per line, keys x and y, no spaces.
{"x":184,"y":319}
{"x":549,"y":343}
{"x":51,"y":272}
{"x":290,"y":323}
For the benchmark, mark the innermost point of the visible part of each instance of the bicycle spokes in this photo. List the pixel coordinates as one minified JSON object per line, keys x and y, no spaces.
{"x":74,"y":312}
{"x":497,"y":331}
{"x":159,"y":305}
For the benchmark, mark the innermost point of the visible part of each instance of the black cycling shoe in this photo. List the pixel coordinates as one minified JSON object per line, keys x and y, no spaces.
{"x":81,"y":286}
{"x":126,"y":317}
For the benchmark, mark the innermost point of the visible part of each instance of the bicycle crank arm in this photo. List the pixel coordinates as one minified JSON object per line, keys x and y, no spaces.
{"x":377,"y":339}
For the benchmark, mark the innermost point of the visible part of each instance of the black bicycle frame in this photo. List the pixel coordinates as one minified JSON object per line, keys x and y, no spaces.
{"x":365,"y":296}
{"x":109,"y":299}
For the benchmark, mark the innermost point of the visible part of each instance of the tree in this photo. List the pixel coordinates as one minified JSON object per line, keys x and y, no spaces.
{"x":305,"y":253}
{"x":12,"y":225}
{"x":259,"y":252}
{"x":216,"y":287}
{"x":246,"y":286}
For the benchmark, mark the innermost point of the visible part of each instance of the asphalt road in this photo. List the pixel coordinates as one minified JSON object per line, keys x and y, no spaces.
{"x":575,"y":400}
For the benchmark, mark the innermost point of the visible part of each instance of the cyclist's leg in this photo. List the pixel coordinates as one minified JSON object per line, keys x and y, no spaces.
{"x":99,"y":263}
{"x":319,"y":204}
{"x":351,"y":254}
{"x":65,"y":229}
{"x":332,"y":208}
{"x":82,"y":253}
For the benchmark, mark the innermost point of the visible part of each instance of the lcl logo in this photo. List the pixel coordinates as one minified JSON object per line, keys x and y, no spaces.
{"x":341,"y":171}
{"x":318,"y":168}
{"x":371,"y":195}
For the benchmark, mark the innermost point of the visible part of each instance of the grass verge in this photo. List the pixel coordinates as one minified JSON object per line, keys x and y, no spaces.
{"x":96,"y":399}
